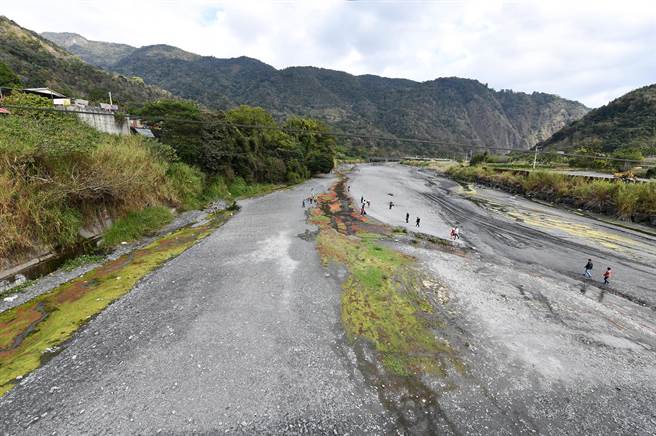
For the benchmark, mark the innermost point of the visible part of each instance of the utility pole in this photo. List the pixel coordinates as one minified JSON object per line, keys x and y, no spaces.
{"x":535,"y":158}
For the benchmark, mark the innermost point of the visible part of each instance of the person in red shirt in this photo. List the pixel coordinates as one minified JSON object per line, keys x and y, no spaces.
{"x":607,"y":276}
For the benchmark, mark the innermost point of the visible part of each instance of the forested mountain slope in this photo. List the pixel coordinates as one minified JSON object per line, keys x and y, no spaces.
{"x":626,"y":122}
{"x":458,"y":113}
{"x":38,"y":63}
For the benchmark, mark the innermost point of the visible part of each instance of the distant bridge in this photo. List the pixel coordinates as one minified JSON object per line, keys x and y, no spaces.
{"x":399,"y":159}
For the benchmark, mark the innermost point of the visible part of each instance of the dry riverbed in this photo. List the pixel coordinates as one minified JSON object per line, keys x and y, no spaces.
{"x":542,"y":349}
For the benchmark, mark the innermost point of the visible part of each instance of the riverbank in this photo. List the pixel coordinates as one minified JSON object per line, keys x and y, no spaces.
{"x":635,"y":202}
{"x":31,"y":332}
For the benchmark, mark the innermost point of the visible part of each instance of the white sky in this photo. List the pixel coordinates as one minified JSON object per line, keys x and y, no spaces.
{"x":587,"y":50}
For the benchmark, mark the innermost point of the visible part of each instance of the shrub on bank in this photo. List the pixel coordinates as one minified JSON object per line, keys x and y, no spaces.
{"x":187,"y":185}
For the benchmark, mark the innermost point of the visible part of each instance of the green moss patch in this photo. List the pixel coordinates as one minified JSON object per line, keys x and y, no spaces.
{"x":383,"y":299}
{"x":45,"y":322}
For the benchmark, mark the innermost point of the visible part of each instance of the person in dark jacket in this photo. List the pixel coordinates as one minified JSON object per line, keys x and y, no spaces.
{"x":407,"y":217}
{"x":588,"y":269}
{"x":417,"y":224}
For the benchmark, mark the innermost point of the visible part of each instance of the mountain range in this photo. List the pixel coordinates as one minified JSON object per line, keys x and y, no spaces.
{"x":458,"y":114}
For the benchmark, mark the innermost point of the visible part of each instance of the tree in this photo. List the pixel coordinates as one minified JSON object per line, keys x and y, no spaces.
{"x":479,"y":158}
{"x":177,"y":123}
{"x":7,"y":77}
{"x":316,"y":143}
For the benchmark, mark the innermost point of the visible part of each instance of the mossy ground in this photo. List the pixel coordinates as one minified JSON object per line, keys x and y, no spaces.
{"x":45,"y":322}
{"x":383,"y":300}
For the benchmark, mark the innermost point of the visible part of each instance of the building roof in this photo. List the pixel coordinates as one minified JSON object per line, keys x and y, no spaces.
{"x":44,"y":91}
{"x":144,"y":132}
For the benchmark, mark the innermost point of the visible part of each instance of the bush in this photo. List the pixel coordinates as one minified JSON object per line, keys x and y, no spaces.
{"x":478,"y":158}
{"x":215,"y":189}
{"x":651,"y":173}
{"x":596,"y":194}
{"x":124,"y":171}
{"x":8,"y":77}
{"x":239,"y":188}
{"x":136,"y":224}
{"x":187,"y":184}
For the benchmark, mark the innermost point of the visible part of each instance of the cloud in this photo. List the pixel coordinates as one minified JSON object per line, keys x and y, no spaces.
{"x":591,"y":51}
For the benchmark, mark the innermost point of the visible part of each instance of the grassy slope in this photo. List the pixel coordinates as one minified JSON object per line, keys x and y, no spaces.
{"x":57,"y":174}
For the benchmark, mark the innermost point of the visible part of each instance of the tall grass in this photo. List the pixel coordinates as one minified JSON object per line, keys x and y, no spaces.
{"x":57,"y":174}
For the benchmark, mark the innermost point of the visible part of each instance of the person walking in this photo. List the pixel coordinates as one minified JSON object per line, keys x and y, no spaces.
{"x":607,"y":275}
{"x":391,"y":205}
{"x":362,"y":199}
{"x":588,"y":269}
{"x":368,"y":203}
{"x":407,"y":217}
{"x":452,"y":232}
{"x":456,"y":233}
{"x":362,"y":212}
{"x":417,"y":223}
{"x":304,"y":203}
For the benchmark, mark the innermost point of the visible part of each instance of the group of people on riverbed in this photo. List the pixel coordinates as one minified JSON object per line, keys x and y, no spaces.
{"x":454,"y":233}
{"x":365,"y":204}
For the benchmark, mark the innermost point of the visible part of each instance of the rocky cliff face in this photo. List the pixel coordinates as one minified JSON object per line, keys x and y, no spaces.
{"x":101,"y":54}
{"x":457,"y":114}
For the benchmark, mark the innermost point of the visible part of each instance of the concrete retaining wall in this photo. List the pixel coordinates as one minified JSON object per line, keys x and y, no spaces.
{"x":101,"y":120}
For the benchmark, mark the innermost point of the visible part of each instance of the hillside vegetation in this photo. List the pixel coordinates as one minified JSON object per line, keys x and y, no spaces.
{"x":37,"y":62}
{"x":102,"y":54}
{"x":57,"y":175}
{"x":458,"y":113}
{"x":626,"y":125}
